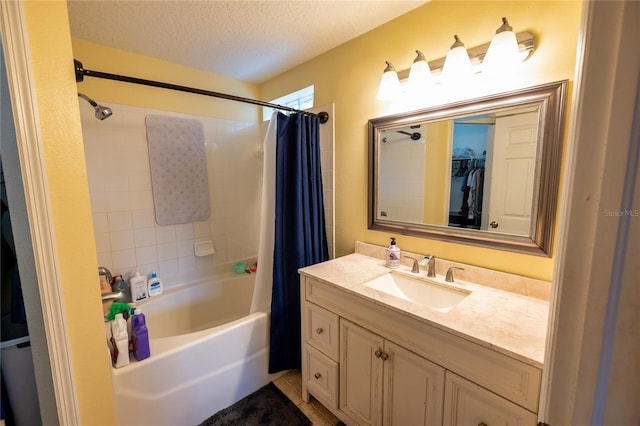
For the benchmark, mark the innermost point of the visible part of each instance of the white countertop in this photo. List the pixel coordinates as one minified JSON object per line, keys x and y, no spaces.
{"x":508,"y":323}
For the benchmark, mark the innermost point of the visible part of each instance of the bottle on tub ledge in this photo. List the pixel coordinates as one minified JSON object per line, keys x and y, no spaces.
{"x":119,"y":342}
{"x":120,"y":285}
{"x":392,"y":259}
{"x":154,"y":285}
{"x":138,"y":287}
{"x":139,"y":336}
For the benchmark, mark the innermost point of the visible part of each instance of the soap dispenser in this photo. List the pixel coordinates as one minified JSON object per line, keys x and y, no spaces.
{"x":393,"y":255}
{"x":138,"y":287}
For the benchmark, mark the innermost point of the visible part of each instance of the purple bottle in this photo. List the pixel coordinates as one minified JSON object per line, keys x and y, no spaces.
{"x":140,"y":336}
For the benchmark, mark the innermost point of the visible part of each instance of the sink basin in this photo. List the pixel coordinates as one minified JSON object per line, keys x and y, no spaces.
{"x":420,"y":291}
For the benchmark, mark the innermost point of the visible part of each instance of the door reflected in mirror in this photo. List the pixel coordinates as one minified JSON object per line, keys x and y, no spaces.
{"x":483,"y":172}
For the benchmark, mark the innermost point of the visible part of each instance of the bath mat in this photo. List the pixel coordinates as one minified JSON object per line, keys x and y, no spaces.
{"x":267,"y":406}
{"x":178,"y":169}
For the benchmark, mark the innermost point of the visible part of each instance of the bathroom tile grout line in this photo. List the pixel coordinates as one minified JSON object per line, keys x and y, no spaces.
{"x":291,"y":385}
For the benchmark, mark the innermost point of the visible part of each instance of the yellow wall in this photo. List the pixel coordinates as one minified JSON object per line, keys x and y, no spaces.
{"x":348,"y":76}
{"x":96,"y":57}
{"x":55,"y":88}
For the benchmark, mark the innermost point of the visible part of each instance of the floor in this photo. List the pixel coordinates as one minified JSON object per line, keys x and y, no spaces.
{"x":291,"y":385}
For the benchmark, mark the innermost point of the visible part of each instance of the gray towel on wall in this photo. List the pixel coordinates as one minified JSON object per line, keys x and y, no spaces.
{"x":178,"y":169}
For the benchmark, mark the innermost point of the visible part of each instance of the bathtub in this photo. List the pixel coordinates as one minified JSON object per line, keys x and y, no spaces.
{"x":207,"y":352}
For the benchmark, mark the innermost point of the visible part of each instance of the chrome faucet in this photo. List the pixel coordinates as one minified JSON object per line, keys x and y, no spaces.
{"x":415,"y":268}
{"x":107,"y":273}
{"x":112,"y":296}
{"x":430,"y":261}
{"x":449,"y":277}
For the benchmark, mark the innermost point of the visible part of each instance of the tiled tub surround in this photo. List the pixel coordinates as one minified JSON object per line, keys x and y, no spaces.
{"x":126,"y":232}
{"x":485,"y":355}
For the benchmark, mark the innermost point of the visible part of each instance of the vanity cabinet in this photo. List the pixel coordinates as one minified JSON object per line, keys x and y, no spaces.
{"x":373,"y":365}
{"x":469,"y":404}
{"x":383,"y":383}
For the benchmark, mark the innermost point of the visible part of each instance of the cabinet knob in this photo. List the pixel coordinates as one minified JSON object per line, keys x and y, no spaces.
{"x":319,"y":330}
{"x":318,"y":375}
{"x":482,"y":424}
{"x":379,"y":354}
{"x":494,"y":225}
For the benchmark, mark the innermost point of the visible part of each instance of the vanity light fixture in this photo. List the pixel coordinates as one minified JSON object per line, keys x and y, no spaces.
{"x":389,"y":84}
{"x":457,"y":65}
{"x":503,"y":54}
{"x":461,"y":63}
{"x":420,"y":79}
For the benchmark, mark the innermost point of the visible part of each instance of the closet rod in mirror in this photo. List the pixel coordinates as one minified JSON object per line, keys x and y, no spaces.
{"x":81,"y":72}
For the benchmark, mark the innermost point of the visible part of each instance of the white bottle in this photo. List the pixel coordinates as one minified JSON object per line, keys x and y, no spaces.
{"x":392,"y":259}
{"x":154,"y":285}
{"x":138,"y":287}
{"x":119,"y":342}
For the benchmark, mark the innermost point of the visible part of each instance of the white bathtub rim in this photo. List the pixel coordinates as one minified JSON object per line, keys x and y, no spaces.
{"x":193,"y":283}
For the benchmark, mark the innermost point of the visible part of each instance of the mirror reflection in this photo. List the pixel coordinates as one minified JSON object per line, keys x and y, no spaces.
{"x":474,"y":172}
{"x":483,"y":172}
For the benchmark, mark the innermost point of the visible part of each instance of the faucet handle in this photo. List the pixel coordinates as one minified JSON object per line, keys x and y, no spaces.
{"x":449,"y":277}
{"x":414,"y":268}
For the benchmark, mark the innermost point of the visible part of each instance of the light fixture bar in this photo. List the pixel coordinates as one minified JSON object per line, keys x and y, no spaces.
{"x":526,"y":43}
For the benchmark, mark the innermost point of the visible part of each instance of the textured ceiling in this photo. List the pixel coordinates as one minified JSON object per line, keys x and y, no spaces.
{"x":246,"y":40}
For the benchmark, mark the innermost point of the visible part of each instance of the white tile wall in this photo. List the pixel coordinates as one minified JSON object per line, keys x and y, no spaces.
{"x":126,"y":233}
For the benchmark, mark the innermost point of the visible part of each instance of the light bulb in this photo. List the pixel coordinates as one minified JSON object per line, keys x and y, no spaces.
{"x":503,"y":55}
{"x":389,"y":84}
{"x":420,"y":79}
{"x":457,"y":65}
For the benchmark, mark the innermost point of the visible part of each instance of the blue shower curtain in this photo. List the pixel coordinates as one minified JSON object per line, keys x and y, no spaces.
{"x":300,"y":237}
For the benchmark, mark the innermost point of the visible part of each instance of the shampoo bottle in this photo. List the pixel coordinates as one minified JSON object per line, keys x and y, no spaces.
{"x":154,"y":285}
{"x":140,"y":336}
{"x":119,"y":342}
{"x":393,"y":255}
{"x":138,"y":286}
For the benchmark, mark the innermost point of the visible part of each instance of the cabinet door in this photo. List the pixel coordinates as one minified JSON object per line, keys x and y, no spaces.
{"x":414,"y":388}
{"x":466,"y":403}
{"x":361,"y":371}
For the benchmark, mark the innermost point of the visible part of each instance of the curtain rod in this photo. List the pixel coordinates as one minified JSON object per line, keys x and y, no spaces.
{"x":81,"y":72}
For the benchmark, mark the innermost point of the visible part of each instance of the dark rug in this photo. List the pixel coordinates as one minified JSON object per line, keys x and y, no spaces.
{"x":267,"y":406}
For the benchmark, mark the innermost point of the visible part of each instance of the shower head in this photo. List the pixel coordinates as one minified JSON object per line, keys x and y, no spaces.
{"x":102,"y":112}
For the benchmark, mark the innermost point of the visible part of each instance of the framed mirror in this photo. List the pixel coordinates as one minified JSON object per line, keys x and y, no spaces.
{"x":483,"y":172}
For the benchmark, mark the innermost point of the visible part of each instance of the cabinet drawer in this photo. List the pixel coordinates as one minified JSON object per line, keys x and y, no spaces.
{"x":321,"y":377}
{"x":466,"y":403}
{"x":322,"y":330}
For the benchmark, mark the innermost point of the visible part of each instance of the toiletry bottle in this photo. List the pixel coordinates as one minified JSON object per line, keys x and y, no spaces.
{"x":140,"y":336}
{"x":138,"y":286}
{"x":120,"y":285}
{"x":393,"y":255}
{"x":154,"y":285}
{"x":119,"y":342}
